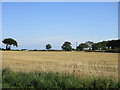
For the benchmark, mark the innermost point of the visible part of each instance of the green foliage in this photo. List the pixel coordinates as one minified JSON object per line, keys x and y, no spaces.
{"x":107,"y":46}
{"x":113,"y":51}
{"x":48,"y":46}
{"x":94,"y":46}
{"x":89,"y":44}
{"x":82,"y":46}
{"x":112,"y":46}
{"x":9,"y":42}
{"x":53,"y":80}
{"x":66,"y":46}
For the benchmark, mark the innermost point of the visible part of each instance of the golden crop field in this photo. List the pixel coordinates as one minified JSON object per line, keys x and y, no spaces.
{"x":83,"y":64}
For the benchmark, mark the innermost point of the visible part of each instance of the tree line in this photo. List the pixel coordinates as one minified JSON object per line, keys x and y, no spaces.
{"x":110,"y":45}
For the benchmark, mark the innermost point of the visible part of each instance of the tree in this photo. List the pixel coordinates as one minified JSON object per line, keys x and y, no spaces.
{"x":89,"y":44}
{"x":9,"y":42}
{"x":48,"y":46}
{"x":103,"y":45}
{"x":113,"y":44}
{"x":82,"y":46}
{"x":97,"y":46}
{"x":66,"y":46}
{"x":117,"y":44}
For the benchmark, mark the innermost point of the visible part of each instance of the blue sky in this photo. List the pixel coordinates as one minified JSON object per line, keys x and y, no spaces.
{"x":35,"y":24}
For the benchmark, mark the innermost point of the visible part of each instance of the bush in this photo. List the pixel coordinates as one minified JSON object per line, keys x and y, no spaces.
{"x":113,"y":51}
{"x":53,"y":80}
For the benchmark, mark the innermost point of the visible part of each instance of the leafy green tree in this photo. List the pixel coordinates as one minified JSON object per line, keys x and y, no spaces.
{"x":9,"y":42}
{"x":89,"y":44}
{"x":113,"y":44}
{"x":48,"y":46}
{"x":117,"y":44}
{"x":82,"y":46}
{"x":94,"y":46}
{"x":66,"y":46}
{"x":103,"y":45}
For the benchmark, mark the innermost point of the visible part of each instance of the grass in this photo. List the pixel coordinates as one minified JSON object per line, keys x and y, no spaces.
{"x":53,"y":80}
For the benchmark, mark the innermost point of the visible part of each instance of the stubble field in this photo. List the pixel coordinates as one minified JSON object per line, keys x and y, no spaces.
{"x":82,"y":64}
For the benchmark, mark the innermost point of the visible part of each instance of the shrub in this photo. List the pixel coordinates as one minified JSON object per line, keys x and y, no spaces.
{"x":53,"y":80}
{"x":113,"y":51}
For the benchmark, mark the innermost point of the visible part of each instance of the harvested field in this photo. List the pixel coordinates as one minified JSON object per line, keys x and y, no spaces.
{"x":83,"y":64}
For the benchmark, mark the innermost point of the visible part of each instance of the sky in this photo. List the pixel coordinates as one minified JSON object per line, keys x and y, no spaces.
{"x":35,"y":24}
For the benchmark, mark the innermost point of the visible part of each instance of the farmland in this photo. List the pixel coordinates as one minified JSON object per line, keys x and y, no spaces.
{"x":82,"y":64}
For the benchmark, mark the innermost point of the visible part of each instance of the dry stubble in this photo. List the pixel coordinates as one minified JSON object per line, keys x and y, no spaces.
{"x":83,"y":64}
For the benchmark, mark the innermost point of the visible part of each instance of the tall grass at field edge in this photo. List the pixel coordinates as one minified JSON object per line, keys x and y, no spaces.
{"x":12,"y":79}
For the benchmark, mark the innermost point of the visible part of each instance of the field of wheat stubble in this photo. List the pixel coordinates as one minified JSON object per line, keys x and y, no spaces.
{"x":82,"y":64}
